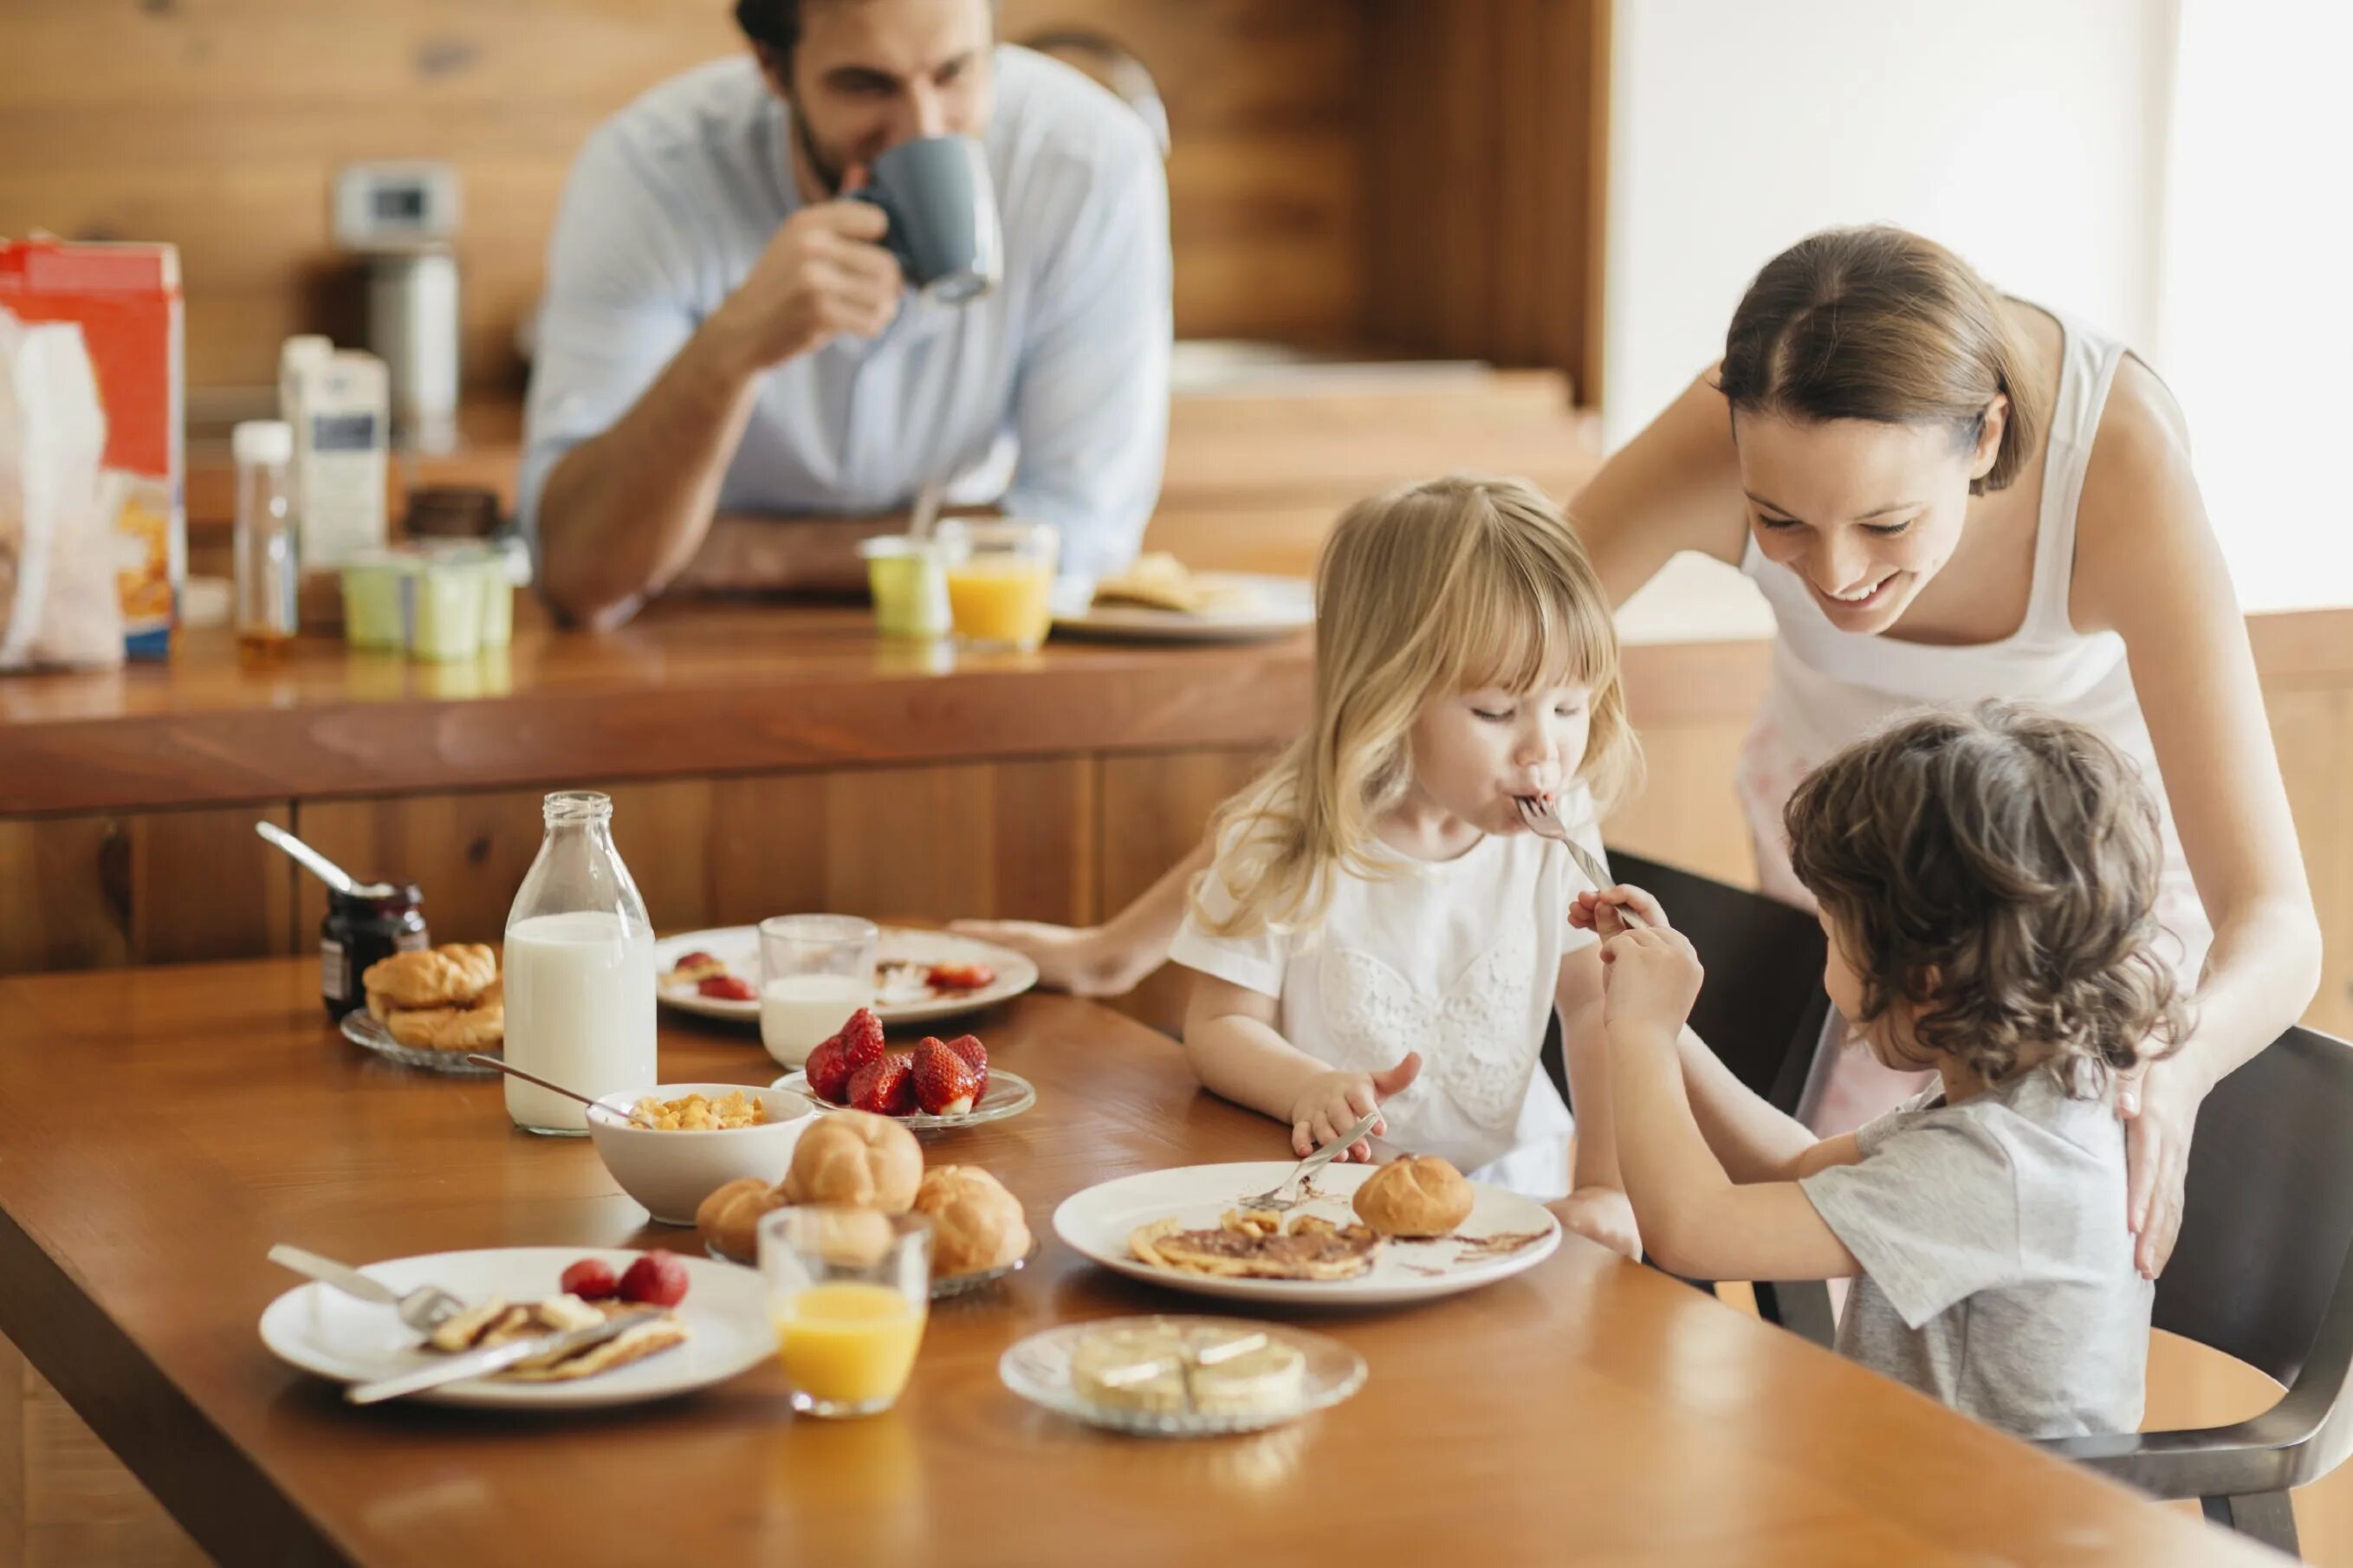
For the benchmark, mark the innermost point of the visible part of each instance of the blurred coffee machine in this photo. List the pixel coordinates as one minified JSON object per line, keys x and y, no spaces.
{"x":401,"y":220}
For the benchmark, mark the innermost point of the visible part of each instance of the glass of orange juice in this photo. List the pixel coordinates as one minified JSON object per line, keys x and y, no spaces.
{"x":1001,"y":582}
{"x":848,"y":1290}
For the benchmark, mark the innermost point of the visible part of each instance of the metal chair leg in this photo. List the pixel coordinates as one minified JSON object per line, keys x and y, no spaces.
{"x":2267,"y":1517}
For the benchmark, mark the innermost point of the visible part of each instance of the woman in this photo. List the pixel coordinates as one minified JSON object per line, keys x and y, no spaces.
{"x":1947,"y":494}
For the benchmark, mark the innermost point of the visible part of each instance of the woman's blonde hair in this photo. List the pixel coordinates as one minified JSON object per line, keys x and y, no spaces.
{"x":1878,"y":324}
{"x":1445,"y":586}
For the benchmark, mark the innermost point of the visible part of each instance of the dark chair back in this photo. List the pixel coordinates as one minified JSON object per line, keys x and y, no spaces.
{"x":1762,"y":1005}
{"x":2269,"y":1213}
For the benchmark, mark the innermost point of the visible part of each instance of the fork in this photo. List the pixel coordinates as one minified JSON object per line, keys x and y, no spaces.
{"x":1274,"y":1198}
{"x":1542,"y":821}
{"x":423,"y":1309}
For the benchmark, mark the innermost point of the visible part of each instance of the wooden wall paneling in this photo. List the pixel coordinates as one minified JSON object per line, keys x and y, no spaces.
{"x":932,"y":842}
{"x":202,"y":886}
{"x":1156,"y":808}
{"x":1266,"y":163}
{"x":164,"y":887}
{"x":1487,"y":146}
{"x":65,"y":893}
{"x":219,"y":128}
{"x":470,"y":852}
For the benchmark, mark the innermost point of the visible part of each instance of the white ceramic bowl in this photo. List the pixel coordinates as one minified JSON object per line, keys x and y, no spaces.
{"x":672,"y":1173}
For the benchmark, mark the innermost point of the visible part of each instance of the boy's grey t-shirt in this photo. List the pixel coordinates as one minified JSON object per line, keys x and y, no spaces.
{"x":1996,"y":1266}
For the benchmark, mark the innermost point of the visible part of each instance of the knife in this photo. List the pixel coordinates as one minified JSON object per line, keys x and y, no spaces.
{"x":482,"y":1363}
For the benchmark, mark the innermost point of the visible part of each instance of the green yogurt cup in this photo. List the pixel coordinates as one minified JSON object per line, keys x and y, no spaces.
{"x":908,"y":581}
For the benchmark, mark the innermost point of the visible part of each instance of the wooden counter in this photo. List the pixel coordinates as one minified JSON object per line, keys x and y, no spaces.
{"x":1589,"y":1412}
{"x":688,"y":690}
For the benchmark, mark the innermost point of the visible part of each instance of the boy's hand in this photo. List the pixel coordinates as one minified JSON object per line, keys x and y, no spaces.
{"x":1649,"y":978}
{"x":1334,"y":1101}
{"x":1597,"y":912}
{"x":1605,"y":1214}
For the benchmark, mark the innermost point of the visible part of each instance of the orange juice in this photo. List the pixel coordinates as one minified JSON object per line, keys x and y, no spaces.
{"x":846,"y":1343}
{"x":1001,"y":599}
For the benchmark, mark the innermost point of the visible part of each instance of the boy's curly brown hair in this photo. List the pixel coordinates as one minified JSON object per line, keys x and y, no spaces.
{"x":1996,"y":870}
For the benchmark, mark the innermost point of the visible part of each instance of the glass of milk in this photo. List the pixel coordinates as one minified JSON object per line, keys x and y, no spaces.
{"x":815,"y":972}
{"x":579,"y":971}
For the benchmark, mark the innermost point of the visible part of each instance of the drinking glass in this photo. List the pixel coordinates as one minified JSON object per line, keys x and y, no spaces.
{"x":815,"y":972}
{"x":848,"y":1291}
{"x":1000,"y":582}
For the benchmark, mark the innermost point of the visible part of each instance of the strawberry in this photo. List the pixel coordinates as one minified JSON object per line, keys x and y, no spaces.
{"x":591,"y":1279}
{"x":727,"y":988}
{"x":969,"y":1048}
{"x":885,"y":1087}
{"x":960,"y":977}
{"x":945,"y":1084}
{"x":829,"y":1072}
{"x":657,"y":1278}
{"x":862,"y":1039}
{"x":698,"y":960}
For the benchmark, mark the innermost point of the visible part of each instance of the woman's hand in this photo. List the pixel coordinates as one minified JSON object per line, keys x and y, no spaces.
{"x":1603,"y":1213}
{"x":1331,"y":1102}
{"x":1084,"y":961}
{"x":2160,"y":1108}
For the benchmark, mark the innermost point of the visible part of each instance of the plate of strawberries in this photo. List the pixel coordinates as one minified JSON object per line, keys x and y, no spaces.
{"x":939,"y":1083}
{"x":919,"y":975}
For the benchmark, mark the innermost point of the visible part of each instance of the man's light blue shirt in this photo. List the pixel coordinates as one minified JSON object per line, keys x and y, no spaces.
{"x":1059,"y":374}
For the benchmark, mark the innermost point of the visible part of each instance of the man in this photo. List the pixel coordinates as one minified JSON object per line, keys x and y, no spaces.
{"x":734,"y":385}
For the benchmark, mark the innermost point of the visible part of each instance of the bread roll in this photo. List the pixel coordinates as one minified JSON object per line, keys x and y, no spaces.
{"x":729,"y":1219}
{"x":1419,"y":1196}
{"x":975,"y":1223}
{"x":856,"y":1161}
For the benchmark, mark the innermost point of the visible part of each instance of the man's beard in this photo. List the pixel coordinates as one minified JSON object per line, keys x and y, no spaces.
{"x":827,"y":174}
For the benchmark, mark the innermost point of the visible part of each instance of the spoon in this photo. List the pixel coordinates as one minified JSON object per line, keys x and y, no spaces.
{"x":634,"y":1114}
{"x":326,"y":870}
{"x":926,"y":510}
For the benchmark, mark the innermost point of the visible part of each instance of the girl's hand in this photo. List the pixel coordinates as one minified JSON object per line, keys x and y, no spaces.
{"x":1597,"y":912}
{"x":1334,"y":1101}
{"x":1649,"y":978}
{"x":1605,"y":1214}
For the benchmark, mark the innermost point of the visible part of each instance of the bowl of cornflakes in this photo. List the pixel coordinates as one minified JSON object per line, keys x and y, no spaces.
{"x":688,"y":1140}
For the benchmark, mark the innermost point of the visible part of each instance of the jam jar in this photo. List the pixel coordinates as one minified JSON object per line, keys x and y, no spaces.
{"x":374,"y":921}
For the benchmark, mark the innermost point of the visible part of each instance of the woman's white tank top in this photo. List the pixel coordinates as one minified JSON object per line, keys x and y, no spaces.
{"x":1830,"y":688}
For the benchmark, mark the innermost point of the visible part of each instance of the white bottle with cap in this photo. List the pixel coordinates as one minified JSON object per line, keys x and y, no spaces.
{"x":338,"y":403}
{"x":267,"y":559}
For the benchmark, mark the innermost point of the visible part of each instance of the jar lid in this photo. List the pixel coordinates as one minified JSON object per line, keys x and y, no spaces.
{"x":376,"y":898}
{"x":263,"y":441}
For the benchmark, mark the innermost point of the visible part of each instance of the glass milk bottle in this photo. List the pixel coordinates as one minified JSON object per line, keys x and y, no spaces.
{"x":579,"y":971}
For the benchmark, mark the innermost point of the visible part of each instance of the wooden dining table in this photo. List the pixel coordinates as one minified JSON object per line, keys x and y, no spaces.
{"x":160,"y":1127}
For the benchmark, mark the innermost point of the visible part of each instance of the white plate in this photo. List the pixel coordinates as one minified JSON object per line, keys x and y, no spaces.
{"x":1039,"y":1369}
{"x":1007,"y":1094}
{"x":323,"y":1331}
{"x":1285,"y":606}
{"x":1098,"y":1222}
{"x":738,"y":947}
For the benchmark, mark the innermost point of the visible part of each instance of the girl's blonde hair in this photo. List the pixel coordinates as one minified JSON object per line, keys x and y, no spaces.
{"x":1445,"y":586}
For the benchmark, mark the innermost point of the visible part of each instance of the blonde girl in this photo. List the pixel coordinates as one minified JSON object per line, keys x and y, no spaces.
{"x":1377,"y":929}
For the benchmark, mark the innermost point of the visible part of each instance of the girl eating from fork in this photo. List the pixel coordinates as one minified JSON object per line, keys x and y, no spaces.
{"x":1379,"y":930}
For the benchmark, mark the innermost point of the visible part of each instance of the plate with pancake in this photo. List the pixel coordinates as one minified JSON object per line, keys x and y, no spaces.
{"x":1185,"y":1228}
{"x":723,"y":1316}
{"x":1159,"y":599}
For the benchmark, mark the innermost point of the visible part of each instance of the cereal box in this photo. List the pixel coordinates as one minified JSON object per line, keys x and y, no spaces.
{"x":126,"y":299}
